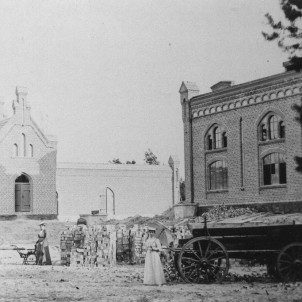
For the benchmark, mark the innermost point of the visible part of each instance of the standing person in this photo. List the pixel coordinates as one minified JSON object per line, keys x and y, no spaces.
{"x":43,"y":256}
{"x":153,"y":273}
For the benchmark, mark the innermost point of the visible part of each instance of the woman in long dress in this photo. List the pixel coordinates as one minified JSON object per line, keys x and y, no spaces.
{"x":43,"y":256}
{"x":153,"y":273}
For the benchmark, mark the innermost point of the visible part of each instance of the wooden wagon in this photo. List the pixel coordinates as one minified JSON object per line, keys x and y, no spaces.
{"x":205,"y":257}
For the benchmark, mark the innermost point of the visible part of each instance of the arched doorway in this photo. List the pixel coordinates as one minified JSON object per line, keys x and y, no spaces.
{"x":22,"y":194}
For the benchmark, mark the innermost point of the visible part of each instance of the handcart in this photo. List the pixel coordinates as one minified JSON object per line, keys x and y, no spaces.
{"x":28,"y":255}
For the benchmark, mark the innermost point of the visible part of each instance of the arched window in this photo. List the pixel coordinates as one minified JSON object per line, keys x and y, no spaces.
{"x":281,"y":129}
{"x":224,"y":140}
{"x":31,"y":150}
{"x":273,"y":127}
{"x":24,"y":144}
{"x":209,"y":142}
{"x":217,"y":138}
{"x":274,"y":169}
{"x":15,"y":150}
{"x":218,"y":175}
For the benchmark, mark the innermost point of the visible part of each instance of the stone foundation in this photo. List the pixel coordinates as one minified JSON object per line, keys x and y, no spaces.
{"x":184,"y":210}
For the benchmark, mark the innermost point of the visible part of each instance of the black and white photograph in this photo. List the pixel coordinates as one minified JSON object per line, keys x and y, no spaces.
{"x":151,"y":150}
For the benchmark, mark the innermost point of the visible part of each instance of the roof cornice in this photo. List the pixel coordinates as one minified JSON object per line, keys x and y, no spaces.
{"x":259,"y":83}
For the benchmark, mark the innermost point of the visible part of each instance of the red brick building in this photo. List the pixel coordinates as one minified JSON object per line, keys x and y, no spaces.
{"x":241,"y":140}
{"x":27,"y":164}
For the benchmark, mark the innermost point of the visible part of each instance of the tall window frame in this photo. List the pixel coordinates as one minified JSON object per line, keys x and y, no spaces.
{"x":273,"y":169}
{"x":218,"y":175}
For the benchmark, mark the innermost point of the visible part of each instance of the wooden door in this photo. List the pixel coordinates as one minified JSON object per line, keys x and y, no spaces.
{"x":22,"y":197}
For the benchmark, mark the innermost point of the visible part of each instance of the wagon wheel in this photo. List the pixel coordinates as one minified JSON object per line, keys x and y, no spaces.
{"x":289,"y":262}
{"x":31,"y":259}
{"x":203,"y":260}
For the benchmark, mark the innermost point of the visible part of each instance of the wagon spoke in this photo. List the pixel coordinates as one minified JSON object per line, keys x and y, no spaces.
{"x":284,"y":261}
{"x":188,"y":267}
{"x":200,"y":248}
{"x":207,"y":250}
{"x":281,"y":269}
{"x":288,"y":256}
{"x":217,"y":258}
{"x":194,"y":253}
{"x":190,"y":259}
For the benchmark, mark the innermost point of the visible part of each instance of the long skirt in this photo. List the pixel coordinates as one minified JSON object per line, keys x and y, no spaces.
{"x":42,"y":255}
{"x":46,"y":256}
{"x":153,"y":273}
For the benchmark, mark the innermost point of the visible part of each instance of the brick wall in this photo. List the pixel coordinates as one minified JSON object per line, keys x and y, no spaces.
{"x":243,"y":106}
{"x":40,"y":169}
{"x":139,"y":189}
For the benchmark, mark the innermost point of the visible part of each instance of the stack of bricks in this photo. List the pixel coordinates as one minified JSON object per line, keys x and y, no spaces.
{"x":66,"y":244}
{"x":82,"y":246}
{"x":139,"y":239}
{"x":103,"y":248}
{"x":77,"y":250}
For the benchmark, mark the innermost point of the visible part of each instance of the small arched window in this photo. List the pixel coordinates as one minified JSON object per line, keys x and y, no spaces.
{"x":31,"y":150}
{"x":273,"y":127}
{"x":24,"y":144}
{"x":218,"y":175}
{"x":15,"y":150}
{"x":217,"y":138}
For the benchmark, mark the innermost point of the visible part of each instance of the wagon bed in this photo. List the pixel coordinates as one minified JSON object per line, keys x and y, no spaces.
{"x":205,"y":258}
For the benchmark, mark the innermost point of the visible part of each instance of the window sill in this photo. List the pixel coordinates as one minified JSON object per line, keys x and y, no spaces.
{"x":280,"y":186}
{"x":216,"y":150}
{"x":272,"y":141}
{"x":217,"y":191}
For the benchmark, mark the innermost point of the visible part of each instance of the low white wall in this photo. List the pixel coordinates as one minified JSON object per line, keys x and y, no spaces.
{"x":139,"y":189}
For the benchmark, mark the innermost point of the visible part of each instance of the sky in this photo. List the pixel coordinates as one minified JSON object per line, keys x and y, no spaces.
{"x":103,"y":76}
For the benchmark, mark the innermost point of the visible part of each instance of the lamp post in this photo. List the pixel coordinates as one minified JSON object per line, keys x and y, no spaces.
{"x":113,"y":200}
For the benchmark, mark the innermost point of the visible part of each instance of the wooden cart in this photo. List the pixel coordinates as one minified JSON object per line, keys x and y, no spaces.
{"x":205,"y":258}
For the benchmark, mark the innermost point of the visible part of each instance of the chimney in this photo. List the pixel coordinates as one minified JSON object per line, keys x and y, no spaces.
{"x":222,"y":85}
{"x":294,"y":64}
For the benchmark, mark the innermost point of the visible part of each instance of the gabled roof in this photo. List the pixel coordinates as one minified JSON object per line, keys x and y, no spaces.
{"x":186,"y":86}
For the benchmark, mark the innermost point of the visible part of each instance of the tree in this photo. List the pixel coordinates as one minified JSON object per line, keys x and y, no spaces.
{"x":151,"y":158}
{"x":288,"y":34}
{"x":128,"y":162}
{"x":182,"y":189}
{"x":116,"y":161}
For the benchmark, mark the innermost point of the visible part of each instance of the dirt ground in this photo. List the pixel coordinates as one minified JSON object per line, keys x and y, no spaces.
{"x":120,"y":283}
{"x":124,"y":283}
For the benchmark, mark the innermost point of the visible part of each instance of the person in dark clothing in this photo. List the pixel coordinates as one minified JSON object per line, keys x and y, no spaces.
{"x":42,"y":248}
